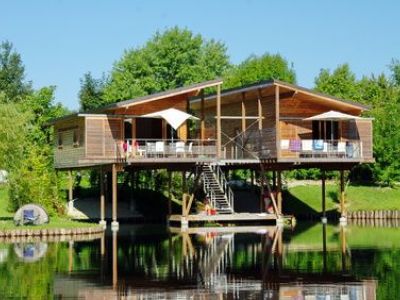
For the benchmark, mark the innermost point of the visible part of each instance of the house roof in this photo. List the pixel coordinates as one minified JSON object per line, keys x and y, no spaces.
{"x":152,"y":97}
{"x":160,"y":95}
{"x":286,"y":85}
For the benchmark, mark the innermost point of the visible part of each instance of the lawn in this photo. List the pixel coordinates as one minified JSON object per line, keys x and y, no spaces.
{"x":6,"y":221}
{"x":307,"y":198}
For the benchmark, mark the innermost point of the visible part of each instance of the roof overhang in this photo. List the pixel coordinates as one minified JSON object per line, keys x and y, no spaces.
{"x":295,"y":89}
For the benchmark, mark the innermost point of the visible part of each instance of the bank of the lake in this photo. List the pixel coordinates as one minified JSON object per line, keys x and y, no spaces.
{"x":306,"y":199}
{"x":56,"y":226}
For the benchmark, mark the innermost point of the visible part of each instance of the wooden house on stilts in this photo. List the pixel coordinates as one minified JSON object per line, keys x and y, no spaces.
{"x":268,"y":126}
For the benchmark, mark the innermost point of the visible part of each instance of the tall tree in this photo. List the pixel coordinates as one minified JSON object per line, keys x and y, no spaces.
{"x":12,"y":74}
{"x":383,"y":96}
{"x":91,"y":92}
{"x":258,"y":68}
{"x":173,"y":58}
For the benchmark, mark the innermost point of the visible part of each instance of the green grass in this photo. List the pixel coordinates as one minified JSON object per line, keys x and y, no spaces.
{"x":55,"y":222}
{"x":306,"y":199}
{"x":3,"y":202}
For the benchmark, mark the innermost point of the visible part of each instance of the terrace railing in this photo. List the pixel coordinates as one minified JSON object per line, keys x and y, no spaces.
{"x":307,"y":148}
{"x":168,"y":148}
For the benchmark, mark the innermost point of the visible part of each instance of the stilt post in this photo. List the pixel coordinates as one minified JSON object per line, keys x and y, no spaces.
{"x":169,"y":192}
{"x":102,"y":199}
{"x":114,"y":224}
{"x":323,"y":196}
{"x":342,"y":196}
{"x":279,"y":191}
{"x":70,"y":192}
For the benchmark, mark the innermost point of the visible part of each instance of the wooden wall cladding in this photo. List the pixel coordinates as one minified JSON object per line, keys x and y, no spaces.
{"x":104,"y":137}
{"x":72,"y":148}
{"x":364,"y":128}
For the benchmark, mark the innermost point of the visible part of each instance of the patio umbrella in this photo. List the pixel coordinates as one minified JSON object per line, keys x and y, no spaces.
{"x":332,"y":115}
{"x":173,"y":116}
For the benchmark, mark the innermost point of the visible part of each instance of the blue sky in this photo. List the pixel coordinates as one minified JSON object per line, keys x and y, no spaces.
{"x":60,"y":40}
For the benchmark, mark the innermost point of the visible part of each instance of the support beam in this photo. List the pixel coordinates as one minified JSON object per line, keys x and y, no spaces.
{"x":279,"y":191}
{"x":323,"y":197}
{"x":114,"y":224}
{"x":262,"y":206}
{"x":114,"y":259}
{"x":169,"y":192}
{"x":184,"y":182}
{"x":260,"y":118}
{"x":202,"y":118}
{"x":70,"y":186}
{"x":342,"y":196}
{"x":102,"y":199}
{"x":218,"y":119}
{"x":277,"y":123}
{"x":70,"y":192}
{"x":243,"y":113}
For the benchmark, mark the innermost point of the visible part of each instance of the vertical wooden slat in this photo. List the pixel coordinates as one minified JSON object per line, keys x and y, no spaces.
{"x":219,"y":140}
{"x":260,"y":124}
{"x":243,"y":113}
{"x":114,"y":193}
{"x":277,"y":122}
{"x":202,"y":118}
{"x":102,"y":198}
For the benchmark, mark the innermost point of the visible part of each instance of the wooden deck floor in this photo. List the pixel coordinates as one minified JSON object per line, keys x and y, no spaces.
{"x":223,"y":229}
{"x":225,"y":218}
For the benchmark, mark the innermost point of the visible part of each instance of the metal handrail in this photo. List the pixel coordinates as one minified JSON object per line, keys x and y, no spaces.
{"x":223,"y":183}
{"x":323,"y":148}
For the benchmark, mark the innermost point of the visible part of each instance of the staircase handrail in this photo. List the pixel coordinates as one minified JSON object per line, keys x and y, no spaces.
{"x":223,"y":182}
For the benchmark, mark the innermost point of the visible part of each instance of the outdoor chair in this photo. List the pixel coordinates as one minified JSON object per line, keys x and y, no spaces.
{"x":150,"y":149}
{"x":29,"y":216}
{"x":306,"y":148}
{"x":180,"y":148}
{"x":160,"y":149}
{"x":341,"y":149}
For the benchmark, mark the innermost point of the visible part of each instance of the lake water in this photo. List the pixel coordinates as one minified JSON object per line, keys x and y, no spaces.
{"x":310,"y":261}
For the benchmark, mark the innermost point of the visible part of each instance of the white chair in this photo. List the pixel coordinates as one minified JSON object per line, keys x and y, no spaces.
{"x":341,"y":149}
{"x":306,"y":147}
{"x":284,"y":144}
{"x":160,"y":149}
{"x":180,"y":148}
{"x":190,"y":149}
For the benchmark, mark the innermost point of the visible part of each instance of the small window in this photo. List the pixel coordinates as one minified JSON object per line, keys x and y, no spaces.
{"x":76,"y":138}
{"x":59,"y":140}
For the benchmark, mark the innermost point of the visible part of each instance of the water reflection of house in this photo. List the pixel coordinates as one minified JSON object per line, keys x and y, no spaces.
{"x":270,"y":125}
{"x":206,"y":270}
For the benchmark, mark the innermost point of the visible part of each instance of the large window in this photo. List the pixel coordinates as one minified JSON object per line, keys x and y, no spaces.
{"x":325,"y":130}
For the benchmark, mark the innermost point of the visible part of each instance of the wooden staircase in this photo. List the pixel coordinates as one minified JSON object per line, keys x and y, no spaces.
{"x":217,"y":189}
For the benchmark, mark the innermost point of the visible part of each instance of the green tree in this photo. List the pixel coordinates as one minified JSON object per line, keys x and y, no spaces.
{"x":170,"y":59}
{"x":12,"y":74}
{"x":258,"y":68}
{"x":91,"y":92}
{"x":383,"y":96}
{"x":14,"y":128}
